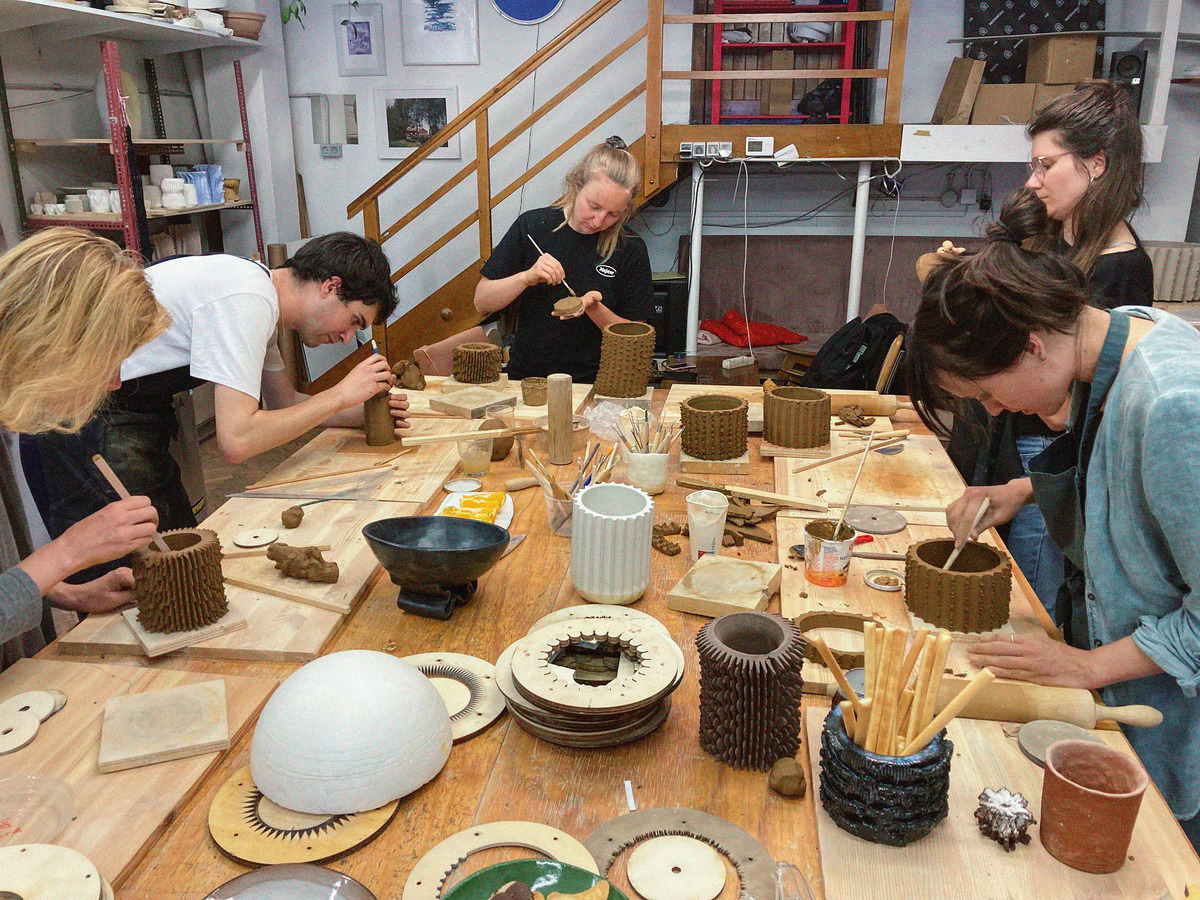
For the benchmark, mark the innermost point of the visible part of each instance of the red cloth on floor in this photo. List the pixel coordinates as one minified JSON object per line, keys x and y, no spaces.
{"x":733,"y":329}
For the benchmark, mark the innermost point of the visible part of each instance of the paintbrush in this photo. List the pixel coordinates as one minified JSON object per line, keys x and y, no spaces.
{"x":540,"y":250}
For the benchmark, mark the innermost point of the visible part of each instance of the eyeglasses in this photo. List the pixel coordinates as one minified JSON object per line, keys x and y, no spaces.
{"x":1039,"y":164}
{"x":615,"y":143}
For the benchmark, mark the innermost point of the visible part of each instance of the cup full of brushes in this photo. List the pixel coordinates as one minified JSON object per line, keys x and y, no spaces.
{"x":885,"y":757}
{"x":646,"y":444}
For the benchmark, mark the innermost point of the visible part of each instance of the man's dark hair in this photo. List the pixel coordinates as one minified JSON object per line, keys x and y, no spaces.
{"x":359,"y":262}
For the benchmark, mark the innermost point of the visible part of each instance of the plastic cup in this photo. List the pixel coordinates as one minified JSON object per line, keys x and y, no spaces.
{"x":647,"y":471}
{"x":476,"y":456}
{"x":827,"y":560}
{"x":559,"y":514}
{"x":706,"y":521}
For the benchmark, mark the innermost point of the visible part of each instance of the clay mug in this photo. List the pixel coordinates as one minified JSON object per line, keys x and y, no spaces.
{"x":74,"y":203}
{"x":35,"y":209}
{"x":60,"y":209}
{"x":1091,"y":794}
{"x":98,"y":200}
{"x":190,"y":197}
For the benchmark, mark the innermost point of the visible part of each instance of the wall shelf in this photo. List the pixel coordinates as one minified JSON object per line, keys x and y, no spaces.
{"x":113,"y":222}
{"x":993,"y":143}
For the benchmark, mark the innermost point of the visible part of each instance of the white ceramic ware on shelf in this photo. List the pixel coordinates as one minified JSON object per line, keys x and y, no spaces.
{"x":153,"y":195}
{"x":98,"y":200}
{"x":189,"y":195}
{"x":611,"y":529}
{"x":160,"y":171}
{"x":349,"y":732}
{"x":35,"y":209}
{"x":74,"y":203}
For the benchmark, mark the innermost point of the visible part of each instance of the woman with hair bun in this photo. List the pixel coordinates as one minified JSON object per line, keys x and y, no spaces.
{"x":1013,"y":328}
{"x":581,"y":241}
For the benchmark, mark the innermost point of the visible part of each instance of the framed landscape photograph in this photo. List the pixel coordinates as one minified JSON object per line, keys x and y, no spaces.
{"x":440,"y":32}
{"x":358,"y":33}
{"x":405,"y":118}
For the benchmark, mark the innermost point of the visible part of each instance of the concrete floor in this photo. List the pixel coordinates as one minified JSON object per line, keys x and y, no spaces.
{"x":222,"y":478}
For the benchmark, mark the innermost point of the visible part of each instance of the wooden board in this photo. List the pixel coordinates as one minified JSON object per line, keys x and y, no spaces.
{"x":450,"y":384}
{"x":157,"y":643}
{"x":767,"y":449}
{"x":955,"y":860}
{"x":470,"y":402}
{"x":738,"y":466}
{"x":680,"y":392}
{"x":419,"y":400}
{"x":717,"y":585}
{"x":159,"y":726}
{"x":116,"y":816}
{"x":642,"y":402}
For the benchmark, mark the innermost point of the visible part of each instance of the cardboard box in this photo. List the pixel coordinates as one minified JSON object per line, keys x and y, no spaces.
{"x":1061,"y":58}
{"x":1044,"y":93}
{"x":958,"y":93}
{"x":779,"y":92}
{"x":1003,"y":104}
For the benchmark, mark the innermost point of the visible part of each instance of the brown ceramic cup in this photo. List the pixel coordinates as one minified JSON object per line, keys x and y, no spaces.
{"x":1091,"y":794}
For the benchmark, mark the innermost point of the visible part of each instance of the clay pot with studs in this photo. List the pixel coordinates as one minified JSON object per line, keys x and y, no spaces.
{"x":971,"y":598}
{"x":182,"y":589}
{"x":714,"y":426}
{"x":796,"y":417}
{"x":626,"y":354}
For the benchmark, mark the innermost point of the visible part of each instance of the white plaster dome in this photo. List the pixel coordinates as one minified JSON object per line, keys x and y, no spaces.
{"x":349,"y":732}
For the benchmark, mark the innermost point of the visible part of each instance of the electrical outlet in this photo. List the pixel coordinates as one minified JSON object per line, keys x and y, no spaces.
{"x":331,"y":151}
{"x":724,"y":149}
{"x":698,"y":150}
{"x":712,"y":149}
{"x":685,"y":149}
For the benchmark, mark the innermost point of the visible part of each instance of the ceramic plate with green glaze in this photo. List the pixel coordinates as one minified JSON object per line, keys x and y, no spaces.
{"x":542,"y":875}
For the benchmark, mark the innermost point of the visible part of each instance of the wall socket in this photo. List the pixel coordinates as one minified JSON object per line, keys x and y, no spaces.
{"x":685,"y":149}
{"x":724,"y":149}
{"x":331,"y":151}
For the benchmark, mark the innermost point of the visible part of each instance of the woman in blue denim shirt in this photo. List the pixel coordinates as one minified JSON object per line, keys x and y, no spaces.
{"x":1012,"y":328}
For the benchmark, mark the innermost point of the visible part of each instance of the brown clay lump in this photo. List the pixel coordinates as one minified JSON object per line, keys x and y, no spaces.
{"x":787,"y":778}
{"x":409,"y":374}
{"x":306,"y":563}
{"x":292,"y":517}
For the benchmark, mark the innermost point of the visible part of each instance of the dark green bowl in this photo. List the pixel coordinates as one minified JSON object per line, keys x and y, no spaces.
{"x":542,"y":875}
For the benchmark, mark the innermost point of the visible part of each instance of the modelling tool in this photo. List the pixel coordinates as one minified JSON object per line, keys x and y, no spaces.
{"x":958,"y":547}
{"x":862,"y":462}
{"x":541,"y":251}
{"x":111,"y":477}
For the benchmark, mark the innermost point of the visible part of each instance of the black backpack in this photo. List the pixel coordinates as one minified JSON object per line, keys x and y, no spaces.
{"x":854,"y":354}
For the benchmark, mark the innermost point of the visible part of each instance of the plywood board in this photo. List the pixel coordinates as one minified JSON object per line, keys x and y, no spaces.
{"x":768,"y":450}
{"x":955,"y":860}
{"x":116,"y":816}
{"x":738,"y":466}
{"x":470,"y":402}
{"x":418,"y":401}
{"x":680,"y":392}
{"x":450,"y":384}
{"x":159,"y":726}
{"x":717,"y":585}
{"x":157,"y":643}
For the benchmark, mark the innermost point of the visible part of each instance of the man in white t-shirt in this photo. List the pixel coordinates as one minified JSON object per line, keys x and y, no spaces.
{"x":225,"y":315}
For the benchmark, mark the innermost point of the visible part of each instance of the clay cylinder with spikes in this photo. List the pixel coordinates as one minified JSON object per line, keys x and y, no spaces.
{"x":714,"y":426}
{"x":182,"y":589}
{"x":971,"y":598}
{"x":626,"y":355}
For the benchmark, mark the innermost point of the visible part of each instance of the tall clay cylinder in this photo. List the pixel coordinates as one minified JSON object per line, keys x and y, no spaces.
{"x":559,"y":418}
{"x":714,"y":426}
{"x":377,"y":421}
{"x":611,"y":531}
{"x":796,"y":417}
{"x":973,"y":597}
{"x":626,"y":355}
{"x":276,"y":255}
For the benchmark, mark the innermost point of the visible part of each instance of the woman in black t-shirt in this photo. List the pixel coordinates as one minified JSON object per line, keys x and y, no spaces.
{"x":579,"y":240}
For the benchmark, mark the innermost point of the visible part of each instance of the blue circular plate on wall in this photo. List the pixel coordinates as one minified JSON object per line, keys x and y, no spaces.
{"x":527,"y":12}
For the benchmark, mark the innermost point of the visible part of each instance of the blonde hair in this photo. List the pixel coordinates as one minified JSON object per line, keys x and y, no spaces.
{"x":73,"y":306}
{"x":617,"y":165}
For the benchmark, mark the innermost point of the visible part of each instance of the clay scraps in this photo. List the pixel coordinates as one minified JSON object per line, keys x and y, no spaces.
{"x":659,"y":541}
{"x":1004,"y":817}
{"x":409,"y":375}
{"x":852,"y":414}
{"x":305,"y":563}
{"x":292,"y":517}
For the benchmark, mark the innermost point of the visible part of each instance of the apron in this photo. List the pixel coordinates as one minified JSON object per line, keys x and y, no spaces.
{"x":1059,"y":476}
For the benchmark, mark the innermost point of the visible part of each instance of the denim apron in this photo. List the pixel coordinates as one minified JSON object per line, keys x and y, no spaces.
{"x":1059,"y":473}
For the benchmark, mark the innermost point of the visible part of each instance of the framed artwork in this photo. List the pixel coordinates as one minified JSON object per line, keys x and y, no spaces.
{"x":405,"y":118}
{"x":527,"y":12}
{"x":358,"y":33}
{"x":440,"y":32}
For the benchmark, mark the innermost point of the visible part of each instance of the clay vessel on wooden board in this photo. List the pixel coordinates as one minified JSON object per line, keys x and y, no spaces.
{"x":378,"y":422}
{"x":1091,"y":794}
{"x":796,"y":417}
{"x":626,"y":354}
{"x":476,"y":362}
{"x":973,"y":597}
{"x":714,"y":426}
{"x":183,"y":589}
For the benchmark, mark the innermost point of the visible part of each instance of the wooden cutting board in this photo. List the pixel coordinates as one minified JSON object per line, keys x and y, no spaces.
{"x":470,"y":402}
{"x":955,"y":860}
{"x":116,"y":816}
{"x":717,"y":585}
{"x":158,"y":726}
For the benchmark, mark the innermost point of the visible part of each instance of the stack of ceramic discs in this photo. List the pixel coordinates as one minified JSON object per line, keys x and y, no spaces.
{"x":714,"y":426}
{"x":750,"y":688}
{"x":476,"y":362}
{"x":626,"y":351}
{"x":971,"y":598}
{"x":554,"y":694}
{"x":182,"y":589}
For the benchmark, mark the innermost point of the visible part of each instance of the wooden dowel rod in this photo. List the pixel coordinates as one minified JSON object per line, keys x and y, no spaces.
{"x":735,"y":490}
{"x":854,"y":485}
{"x":870,"y":666}
{"x":983,"y":677}
{"x":848,"y":719}
{"x":901,"y":732}
{"x":111,"y":477}
{"x":274,"y":591}
{"x":269,"y":484}
{"x":848,"y":453}
{"x":863,"y":725}
{"x":910,"y":658}
{"x":942,"y":650}
{"x":921,"y":689}
{"x":875,"y":554}
{"x":541,"y":251}
{"x":958,"y":548}
{"x":832,"y":664}
{"x":262,"y":551}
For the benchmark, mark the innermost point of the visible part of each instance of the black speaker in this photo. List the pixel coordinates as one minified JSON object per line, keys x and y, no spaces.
{"x":1128,"y":69}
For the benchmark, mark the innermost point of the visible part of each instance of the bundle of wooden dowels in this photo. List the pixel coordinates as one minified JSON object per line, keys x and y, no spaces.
{"x":593,"y":467}
{"x":640,"y":436}
{"x":895,"y":716}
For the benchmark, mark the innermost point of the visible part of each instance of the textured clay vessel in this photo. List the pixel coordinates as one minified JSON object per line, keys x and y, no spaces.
{"x":533,"y":391}
{"x":611,"y":529}
{"x":714,"y":426}
{"x":349,"y":732}
{"x":476,"y":362}
{"x":796,"y":417}
{"x":750,"y":689}
{"x":626,"y":354}
{"x":377,"y":420}
{"x":183,"y":589}
{"x":891,"y":800}
{"x":1091,"y":794}
{"x":970,"y":599}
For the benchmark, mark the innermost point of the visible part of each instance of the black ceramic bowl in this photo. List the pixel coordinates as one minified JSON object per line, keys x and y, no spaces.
{"x":435,"y":550}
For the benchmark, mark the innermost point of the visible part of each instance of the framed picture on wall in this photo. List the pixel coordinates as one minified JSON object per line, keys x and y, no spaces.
{"x":405,"y":118}
{"x":358,"y":33}
{"x":440,"y":32}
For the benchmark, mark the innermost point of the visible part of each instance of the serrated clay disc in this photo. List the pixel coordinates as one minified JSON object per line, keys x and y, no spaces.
{"x":675,"y":867}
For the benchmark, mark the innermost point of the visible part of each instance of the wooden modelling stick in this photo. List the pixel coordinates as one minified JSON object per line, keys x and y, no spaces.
{"x":951,"y":710}
{"x":862,"y":462}
{"x":848,"y":453}
{"x":543,"y":252}
{"x":111,"y":477}
{"x":869,"y":663}
{"x":958,"y":548}
{"x":839,"y":676}
{"x":863,"y":725}
{"x":847,"y":717}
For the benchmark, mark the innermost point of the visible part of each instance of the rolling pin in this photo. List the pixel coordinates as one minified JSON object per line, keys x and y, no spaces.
{"x":1021,"y":701}
{"x":872,"y":404}
{"x":519,"y":484}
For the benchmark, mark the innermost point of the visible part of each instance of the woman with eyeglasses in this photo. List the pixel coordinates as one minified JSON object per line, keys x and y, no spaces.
{"x":578,"y":241}
{"x":1016,"y":329}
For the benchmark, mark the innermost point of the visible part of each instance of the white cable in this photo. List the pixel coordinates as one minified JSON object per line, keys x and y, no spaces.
{"x":537,"y":45}
{"x":892,"y":252}
{"x":744,"y":169}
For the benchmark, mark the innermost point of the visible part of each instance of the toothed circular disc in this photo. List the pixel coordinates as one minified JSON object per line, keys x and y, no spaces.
{"x":256,"y":537}
{"x":875,"y":520}
{"x":674,"y":867}
{"x":467,"y":686}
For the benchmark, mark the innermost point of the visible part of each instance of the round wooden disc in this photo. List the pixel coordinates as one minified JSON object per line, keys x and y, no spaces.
{"x":253,"y":830}
{"x":40,"y":703}
{"x":17,"y":728}
{"x":875,"y":520}
{"x":675,"y":867}
{"x":599,"y":611}
{"x":468,"y":687}
{"x":1035,"y":737}
{"x":48,"y":872}
{"x":256,"y":537}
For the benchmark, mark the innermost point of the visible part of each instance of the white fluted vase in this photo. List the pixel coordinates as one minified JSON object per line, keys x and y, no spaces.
{"x":610,"y":543}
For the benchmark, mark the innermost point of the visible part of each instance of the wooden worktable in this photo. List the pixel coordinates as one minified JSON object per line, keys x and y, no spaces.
{"x":504,"y":773}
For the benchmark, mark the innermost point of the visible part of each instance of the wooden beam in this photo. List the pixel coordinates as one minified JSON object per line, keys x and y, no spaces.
{"x":484,"y":184}
{"x":737,"y":18}
{"x":430,"y":200}
{"x":436,"y":246}
{"x":769,"y":74}
{"x":812,"y":141}
{"x":371,"y":232}
{"x":654,"y":78}
{"x":895,"y":84}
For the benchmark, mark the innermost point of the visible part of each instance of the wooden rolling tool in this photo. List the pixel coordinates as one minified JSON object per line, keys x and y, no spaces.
{"x":1021,"y":701}
{"x":872,"y":404}
{"x":559,"y":419}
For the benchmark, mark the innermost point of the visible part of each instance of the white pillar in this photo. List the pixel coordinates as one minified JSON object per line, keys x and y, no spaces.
{"x":861,"y":199}
{"x":693,"y":310}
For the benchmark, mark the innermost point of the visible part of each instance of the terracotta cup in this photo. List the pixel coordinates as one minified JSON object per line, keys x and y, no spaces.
{"x":1091,"y":794}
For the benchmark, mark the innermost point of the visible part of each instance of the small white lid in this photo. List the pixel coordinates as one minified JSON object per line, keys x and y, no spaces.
{"x":465,"y":485}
